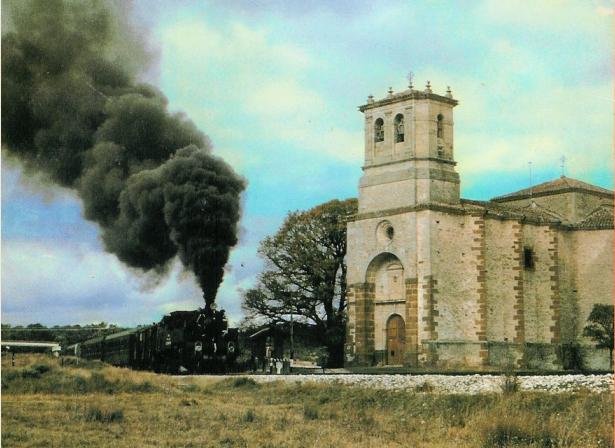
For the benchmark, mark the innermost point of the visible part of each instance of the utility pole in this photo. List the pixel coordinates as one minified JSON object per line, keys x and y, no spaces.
{"x":292,"y":342}
{"x":530,"y":165}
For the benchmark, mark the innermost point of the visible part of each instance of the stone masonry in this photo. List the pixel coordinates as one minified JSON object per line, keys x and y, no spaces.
{"x":476,"y":284}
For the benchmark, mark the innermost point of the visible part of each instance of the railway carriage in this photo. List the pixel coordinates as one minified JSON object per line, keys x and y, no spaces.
{"x":182,"y":342}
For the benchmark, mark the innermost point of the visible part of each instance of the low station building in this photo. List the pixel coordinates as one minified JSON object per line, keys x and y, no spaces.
{"x":442,"y":282}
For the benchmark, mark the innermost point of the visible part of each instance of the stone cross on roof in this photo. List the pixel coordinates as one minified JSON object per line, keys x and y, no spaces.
{"x":410,"y":77}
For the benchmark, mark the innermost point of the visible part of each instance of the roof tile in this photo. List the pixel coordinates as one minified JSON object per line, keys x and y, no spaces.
{"x":560,"y":185}
{"x":601,"y":218}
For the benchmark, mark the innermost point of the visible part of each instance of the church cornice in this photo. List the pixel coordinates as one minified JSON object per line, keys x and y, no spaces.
{"x":578,"y":227}
{"x":467,"y":207}
{"x":401,"y":210}
{"x":411,"y":159}
{"x":408,"y":95}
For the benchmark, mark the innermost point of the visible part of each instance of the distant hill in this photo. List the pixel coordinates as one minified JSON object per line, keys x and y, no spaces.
{"x":65,"y":334}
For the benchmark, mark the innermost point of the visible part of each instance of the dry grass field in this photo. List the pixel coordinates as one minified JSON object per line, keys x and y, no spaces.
{"x":93,"y":405}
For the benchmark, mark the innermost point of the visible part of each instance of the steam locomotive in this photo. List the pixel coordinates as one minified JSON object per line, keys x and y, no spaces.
{"x":182,"y":342}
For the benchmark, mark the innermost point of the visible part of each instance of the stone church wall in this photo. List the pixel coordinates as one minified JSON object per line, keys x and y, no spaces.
{"x":386,"y":196}
{"x":537,"y":284}
{"x":503,"y":265}
{"x":541,"y":298}
{"x":458,"y":265}
{"x":570,"y":323}
{"x":469,"y":298}
{"x":367,"y":315}
{"x":504,"y":292}
{"x":594,"y":282}
{"x":594,"y":272}
{"x":455,"y":267}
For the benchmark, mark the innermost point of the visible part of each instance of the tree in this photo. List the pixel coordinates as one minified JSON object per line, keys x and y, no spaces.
{"x":305,"y":274}
{"x":600,"y":327}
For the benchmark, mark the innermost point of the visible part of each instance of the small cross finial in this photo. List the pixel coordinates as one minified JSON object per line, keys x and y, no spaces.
{"x":563,"y":165}
{"x":410,"y":77}
{"x":390,"y":91}
{"x":449,"y":93}
{"x":428,"y":87}
{"x":370,"y":99}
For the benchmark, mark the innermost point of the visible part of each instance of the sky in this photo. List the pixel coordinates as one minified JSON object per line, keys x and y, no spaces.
{"x":276,"y":84}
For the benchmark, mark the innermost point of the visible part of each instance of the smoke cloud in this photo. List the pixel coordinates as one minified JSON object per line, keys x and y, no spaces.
{"x":72,"y":110}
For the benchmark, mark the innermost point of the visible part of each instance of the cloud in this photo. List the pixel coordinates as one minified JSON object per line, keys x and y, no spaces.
{"x":253,"y":88}
{"x":282,"y":99}
{"x":570,"y":16}
{"x":540,"y":127}
{"x":604,"y":10}
{"x":515,"y":107}
{"x":51,"y":282}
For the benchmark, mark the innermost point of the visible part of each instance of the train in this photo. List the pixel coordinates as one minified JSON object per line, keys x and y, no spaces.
{"x":183,"y":342}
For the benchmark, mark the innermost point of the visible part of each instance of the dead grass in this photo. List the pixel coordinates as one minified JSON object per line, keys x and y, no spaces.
{"x":116,"y":410}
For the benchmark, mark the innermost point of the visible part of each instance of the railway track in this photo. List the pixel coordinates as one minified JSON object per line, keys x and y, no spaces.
{"x":452,"y":384}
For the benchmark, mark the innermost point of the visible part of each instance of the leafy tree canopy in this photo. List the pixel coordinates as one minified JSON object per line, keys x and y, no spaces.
{"x":600,"y":327}
{"x":305,"y":274}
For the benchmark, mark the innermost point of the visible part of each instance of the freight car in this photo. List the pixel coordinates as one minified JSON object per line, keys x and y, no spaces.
{"x":182,"y":342}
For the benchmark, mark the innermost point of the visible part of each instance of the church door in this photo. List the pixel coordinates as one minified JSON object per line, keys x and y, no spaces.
{"x":396,"y":340}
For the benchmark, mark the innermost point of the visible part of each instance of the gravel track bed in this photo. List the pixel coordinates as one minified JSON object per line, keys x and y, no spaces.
{"x":470,"y":384}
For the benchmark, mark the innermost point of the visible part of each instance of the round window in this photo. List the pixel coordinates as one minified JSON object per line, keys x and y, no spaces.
{"x":390,"y":232}
{"x":385,"y":232}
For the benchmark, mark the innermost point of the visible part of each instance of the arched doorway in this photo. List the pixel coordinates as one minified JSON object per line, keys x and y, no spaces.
{"x":385,"y":277}
{"x":396,"y":340}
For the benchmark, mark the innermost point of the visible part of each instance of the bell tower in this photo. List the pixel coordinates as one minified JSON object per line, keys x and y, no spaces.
{"x":409,"y":157}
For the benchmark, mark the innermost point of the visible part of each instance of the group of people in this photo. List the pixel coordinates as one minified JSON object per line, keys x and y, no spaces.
{"x":271,"y":364}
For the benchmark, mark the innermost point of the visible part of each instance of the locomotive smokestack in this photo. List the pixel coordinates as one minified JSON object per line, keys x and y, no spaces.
{"x":209,"y":301}
{"x":72,"y":111}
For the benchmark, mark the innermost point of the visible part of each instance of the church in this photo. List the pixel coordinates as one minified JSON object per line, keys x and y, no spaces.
{"x":440,"y":282}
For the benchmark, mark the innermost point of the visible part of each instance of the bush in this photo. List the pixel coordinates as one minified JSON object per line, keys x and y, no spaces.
{"x":34,"y":371}
{"x":572,"y":357}
{"x":95,"y":414}
{"x":323,"y":399}
{"x":242,"y":381}
{"x":71,"y":361}
{"x":365,"y":420}
{"x":99,"y":383}
{"x":10,"y":375}
{"x":505,"y":434}
{"x":510,"y":383}
{"x":30,"y":373}
{"x":424,"y":387}
{"x":41,"y":368}
{"x":145,"y":386}
{"x":188,"y":387}
{"x":249,"y":416}
{"x":186,"y":402}
{"x":46,"y":379}
{"x":310,"y":412}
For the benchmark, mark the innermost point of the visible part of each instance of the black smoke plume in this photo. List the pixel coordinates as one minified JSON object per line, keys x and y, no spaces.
{"x":71,"y":109}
